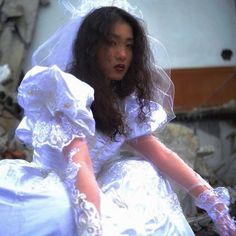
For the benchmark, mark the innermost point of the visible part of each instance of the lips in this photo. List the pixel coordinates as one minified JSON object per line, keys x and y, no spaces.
{"x":119,"y":67}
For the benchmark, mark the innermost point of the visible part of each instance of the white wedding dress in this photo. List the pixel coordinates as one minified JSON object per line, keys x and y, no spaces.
{"x":38,"y":198}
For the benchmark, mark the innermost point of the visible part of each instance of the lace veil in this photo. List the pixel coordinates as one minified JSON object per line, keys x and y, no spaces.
{"x":57,"y":50}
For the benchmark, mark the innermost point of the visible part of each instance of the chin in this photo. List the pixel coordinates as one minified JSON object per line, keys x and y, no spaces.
{"x":117,"y":77}
{"x":120,"y":78}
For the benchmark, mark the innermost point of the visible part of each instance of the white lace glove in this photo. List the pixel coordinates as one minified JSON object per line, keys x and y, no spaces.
{"x":216,"y":203}
{"x":88,"y":220}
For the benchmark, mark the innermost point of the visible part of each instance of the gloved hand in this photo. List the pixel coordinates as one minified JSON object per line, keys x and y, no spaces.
{"x":216,"y":203}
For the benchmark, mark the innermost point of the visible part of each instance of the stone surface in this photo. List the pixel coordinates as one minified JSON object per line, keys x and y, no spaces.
{"x":221,"y":165}
{"x":44,"y":2}
{"x":5,"y":73}
{"x":227,"y":170}
{"x":17,"y":24}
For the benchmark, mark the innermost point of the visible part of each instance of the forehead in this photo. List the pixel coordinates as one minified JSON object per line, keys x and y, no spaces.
{"x":121,"y":30}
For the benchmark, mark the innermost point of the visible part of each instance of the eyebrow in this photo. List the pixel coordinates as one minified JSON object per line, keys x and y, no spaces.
{"x":131,"y":39}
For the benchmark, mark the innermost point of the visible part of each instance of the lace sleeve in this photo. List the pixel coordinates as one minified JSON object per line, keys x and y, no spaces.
{"x":87,"y":218}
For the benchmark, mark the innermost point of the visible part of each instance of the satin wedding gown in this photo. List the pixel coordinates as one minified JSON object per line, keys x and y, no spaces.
{"x":37,"y":198}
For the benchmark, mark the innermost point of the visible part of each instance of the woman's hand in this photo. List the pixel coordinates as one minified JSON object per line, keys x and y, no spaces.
{"x":215,"y":202}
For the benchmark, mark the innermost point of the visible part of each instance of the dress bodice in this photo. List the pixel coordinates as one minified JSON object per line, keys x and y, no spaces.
{"x":102,"y":149}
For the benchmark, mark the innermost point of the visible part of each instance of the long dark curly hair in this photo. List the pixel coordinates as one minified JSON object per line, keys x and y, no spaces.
{"x":94,"y":32}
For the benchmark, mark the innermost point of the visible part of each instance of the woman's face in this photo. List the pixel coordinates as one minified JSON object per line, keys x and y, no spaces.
{"x":115,"y":56}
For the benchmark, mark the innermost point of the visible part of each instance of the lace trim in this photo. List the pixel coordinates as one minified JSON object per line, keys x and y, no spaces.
{"x":87,"y":218}
{"x":216,"y":202}
{"x":201,"y":182}
{"x":72,"y":168}
{"x":56,"y":133}
{"x":209,"y":198}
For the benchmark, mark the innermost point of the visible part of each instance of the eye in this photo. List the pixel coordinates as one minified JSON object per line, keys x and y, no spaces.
{"x":112,"y":43}
{"x":129,"y":45}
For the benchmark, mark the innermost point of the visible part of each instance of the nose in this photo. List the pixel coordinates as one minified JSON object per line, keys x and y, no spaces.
{"x":121,"y":53}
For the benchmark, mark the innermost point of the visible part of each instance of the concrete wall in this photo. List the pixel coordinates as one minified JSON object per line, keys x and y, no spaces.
{"x":193,"y":31}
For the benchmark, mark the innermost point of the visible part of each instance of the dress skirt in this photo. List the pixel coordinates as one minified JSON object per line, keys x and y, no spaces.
{"x":33,"y":201}
{"x":141,"y":200}
{"x":136,"y":200}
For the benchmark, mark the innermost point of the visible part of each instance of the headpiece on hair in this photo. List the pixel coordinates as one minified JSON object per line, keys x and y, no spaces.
{"x":57,"y":50}
{"x":83,"y":7}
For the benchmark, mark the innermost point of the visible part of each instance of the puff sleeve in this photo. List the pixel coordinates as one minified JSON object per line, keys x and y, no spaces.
{"x":56,"y":108}
{"x":157,"y":118}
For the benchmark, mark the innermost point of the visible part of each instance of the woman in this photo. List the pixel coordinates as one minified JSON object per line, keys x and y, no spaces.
{"x":79,"y":181}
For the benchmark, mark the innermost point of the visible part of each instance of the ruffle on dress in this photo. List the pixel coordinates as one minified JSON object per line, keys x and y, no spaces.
{"x":56,"y":106}
{"x":157,"y":118}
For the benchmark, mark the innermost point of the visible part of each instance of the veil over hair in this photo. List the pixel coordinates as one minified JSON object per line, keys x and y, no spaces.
{"x":57,"y":50}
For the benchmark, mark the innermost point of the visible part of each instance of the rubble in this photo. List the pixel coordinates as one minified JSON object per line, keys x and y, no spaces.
{"x":5,"y":73}
{"x":17,"y":23}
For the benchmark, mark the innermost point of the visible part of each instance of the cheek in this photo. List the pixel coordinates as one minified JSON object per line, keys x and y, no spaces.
{"x":103,"y":55}
{"x":106,"y":62}
{"x":108,"y":56}
{"x":102,"y":60}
